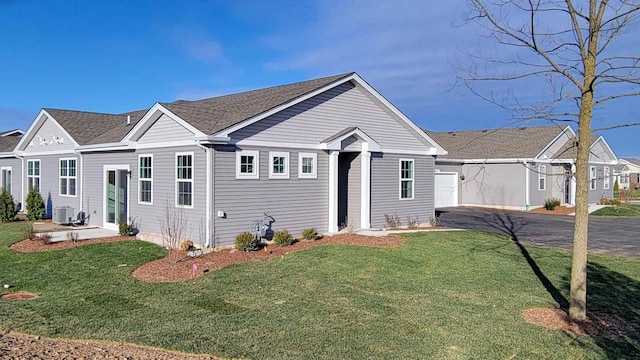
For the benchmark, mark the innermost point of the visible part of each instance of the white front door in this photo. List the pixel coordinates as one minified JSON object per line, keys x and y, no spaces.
{"x":116,"y":196}
{"x":446,"y":189}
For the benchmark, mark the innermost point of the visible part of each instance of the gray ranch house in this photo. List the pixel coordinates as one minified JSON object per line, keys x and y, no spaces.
{"x":325,"y":153}
{"x":517,"y":168}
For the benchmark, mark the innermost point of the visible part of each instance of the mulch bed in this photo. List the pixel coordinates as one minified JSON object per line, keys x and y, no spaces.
{"x":26,"y":246}
{"x":559,"y":210}
{"x":164,"y":270}
{"x":602,"y":325}
{"x":20,"y":296}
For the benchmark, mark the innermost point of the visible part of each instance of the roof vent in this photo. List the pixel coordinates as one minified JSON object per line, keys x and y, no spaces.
{"x":128,"y":119}
{"x":485,"y":130}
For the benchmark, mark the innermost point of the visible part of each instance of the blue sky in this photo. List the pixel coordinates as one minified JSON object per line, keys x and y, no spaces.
{"x":118,"y":56}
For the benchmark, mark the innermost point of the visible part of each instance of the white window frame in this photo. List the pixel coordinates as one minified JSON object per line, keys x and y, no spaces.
{"x":68,"y":177}
{"x":180,"y":180}
{"x":10,"y":170}
{"x":33,"y":177}
{"x":314,"y":162}
{"x":411,"y":179}
{"x":606,"y":175}
{"x":279,"y":154}
{"x":593,"y":176}
{"x":255,"y":174}
{"x":141,"y":179}
{"x":542,"y":177}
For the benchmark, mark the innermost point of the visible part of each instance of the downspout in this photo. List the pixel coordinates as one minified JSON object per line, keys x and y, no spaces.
{"x":81,"y":184}
{"x":207,"y":212}
{"x":527,"y":185}
{"x":24,"y":207}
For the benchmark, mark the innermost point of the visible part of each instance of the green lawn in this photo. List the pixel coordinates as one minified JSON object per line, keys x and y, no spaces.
{"x":442,"y":295}
{"x":623,"y":210}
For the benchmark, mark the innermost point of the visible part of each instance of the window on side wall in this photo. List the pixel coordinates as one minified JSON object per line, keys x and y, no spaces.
{"x":6,"y":179}
{"x":145,"y":179}
{"x":542,"y":177}
{"x":278,"y":165}
{"x":607,"y":180}
{"x":68,"y":178}
{"x":184,"y":179}
{"x":592,"y":178}
{"x":247,"y":164}
{"x":33,"y":175}
{"x":406,"y":178}
{"x":307,"y":165}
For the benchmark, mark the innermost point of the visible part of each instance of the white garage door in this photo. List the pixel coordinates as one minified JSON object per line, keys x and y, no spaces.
{"x":446,"y":189}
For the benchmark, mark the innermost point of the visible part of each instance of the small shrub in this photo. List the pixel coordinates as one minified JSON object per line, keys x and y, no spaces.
{"x":310,"y":234}
{"x":35,"y":205}
{"x":31,"y":234}
{"x":244,"y":241}
{"x":413,"y":222}
{"x":551,"y":203}
{"x":186,"y":245}
{"x":613,"y":202}
{"x":392,"y":221}
{"x":433,"y":221}
{"x":125,"y":229}
{"x":72,"y":236}
{"x":8,"y":210}
{"x":283,"y":238}
{"x":46,"y":238}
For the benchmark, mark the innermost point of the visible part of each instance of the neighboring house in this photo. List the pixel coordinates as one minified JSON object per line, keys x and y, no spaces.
{"x":10,"y":165}
{"x":516,"y":168}
{"x":628,"y":173}
{"x":325,"y":153}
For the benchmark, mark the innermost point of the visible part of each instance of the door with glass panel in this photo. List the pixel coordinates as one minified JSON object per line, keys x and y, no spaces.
{"x":116,"y":194}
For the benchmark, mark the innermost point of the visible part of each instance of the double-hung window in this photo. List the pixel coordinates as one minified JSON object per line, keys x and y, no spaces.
{"x":307,"y":164}
{"x":68,"y":177}
{"x":406,"y":178}
{"x":592,"y":177}
{"x":184,"y":179}
{"x":145,"y":179}
{"x":542,"y":177}
{"x":279,"y":165}
{"x":33,"y":174}
{"x":247,"y":164}
{"x":606,"y":178}
{"x":6,"y":179}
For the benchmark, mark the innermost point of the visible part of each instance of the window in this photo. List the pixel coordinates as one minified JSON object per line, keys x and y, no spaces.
{"x":68,"y":177}
{"x":184,"y":179}
{"x":406,"y":178}
{"x":6,"y":179}
{"x":145,"y":179}
{"x":33,"y":174}
{"x":247,"y":165}
{"x":592,"y":178}
{"x":542,"y":177}
{"x":279,"y":165}
{"x":607,"y":180}
{"x":307,"y":164}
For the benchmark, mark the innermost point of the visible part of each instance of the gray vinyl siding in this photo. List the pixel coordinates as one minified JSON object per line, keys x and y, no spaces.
{"x":500,"y":185}
{"x":50,"y":182}
{"x":16,"y":178}
{"x":294,"y":203}
{"x":326,"y":114}
{"x":557,"y":182}
{"x":537,"y":197}
{"x":165,"y":129}
{"x":600,"y":191}
{"x":147,"y":217}
{"x":600,"y":154}
{"x":552,"y":150}
{"x":385,"y":189}
{"x":47,"y":132}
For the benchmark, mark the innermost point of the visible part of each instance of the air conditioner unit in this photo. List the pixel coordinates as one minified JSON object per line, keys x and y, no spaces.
{"x":63,"y":215}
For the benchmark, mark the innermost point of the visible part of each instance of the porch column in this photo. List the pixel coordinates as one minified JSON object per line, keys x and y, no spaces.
{"x":333,"y":192}
{"x":365,"y":187}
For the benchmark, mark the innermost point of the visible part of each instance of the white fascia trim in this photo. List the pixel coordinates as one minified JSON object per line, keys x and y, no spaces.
{"x":407,"y":152}
{"x":156,"y":109}
{"x":45,"y":153}
{"x":17,"y":131}
{"x":10,"y":154}
{"x":491,"y":161}
{"x":283,"y":145}
{"x":213,"y":140}
{"x":103,"y":147}
{"x":336,"y":144}
{"x":567,"y":128}
{"x":166,"y":144}
{"x":247,"y":122}
{"x":37,"y":124}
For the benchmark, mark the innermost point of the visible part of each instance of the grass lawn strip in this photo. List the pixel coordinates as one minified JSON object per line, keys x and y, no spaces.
{"x":440,"y":295}
{"x":622,"y":210}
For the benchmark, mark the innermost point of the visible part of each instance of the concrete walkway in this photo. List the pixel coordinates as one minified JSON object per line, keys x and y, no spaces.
{"x":592,"y":208}
{"x":60,"y":233}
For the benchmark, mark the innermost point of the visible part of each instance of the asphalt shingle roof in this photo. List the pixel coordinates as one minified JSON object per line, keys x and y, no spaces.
{"x":85,"y":126}
{"x":218,"y":113}
{"x":8,"y":143}
{"x":633,"y":161}
{"x":524,"y":142}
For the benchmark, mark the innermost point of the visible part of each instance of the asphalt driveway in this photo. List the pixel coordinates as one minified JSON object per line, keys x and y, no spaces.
{"x":614,"y":235}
